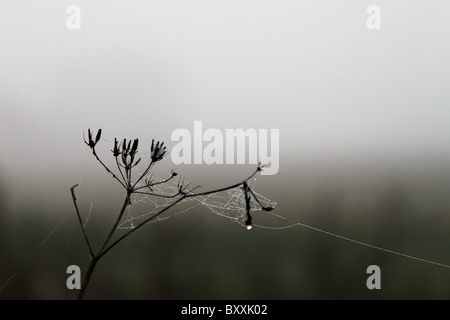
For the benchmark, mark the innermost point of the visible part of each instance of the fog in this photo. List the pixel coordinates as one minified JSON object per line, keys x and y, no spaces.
{"x":362,"y":116}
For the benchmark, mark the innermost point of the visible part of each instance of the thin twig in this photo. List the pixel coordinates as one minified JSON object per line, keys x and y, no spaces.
{"x":79,"y":220}
{"x":106,"y":168}
{"x":225,"y":188}
{"x":157,"y":194}
{"x":248,"y":222}
{"x":87,"y":277}
{"x":120,"y":170}
{"x":156,"y":183}
{"x":114,"y":228}
{"x":144,"y":174}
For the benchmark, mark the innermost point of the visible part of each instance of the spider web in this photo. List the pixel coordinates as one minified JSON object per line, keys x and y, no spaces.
{"x":229,"y":204}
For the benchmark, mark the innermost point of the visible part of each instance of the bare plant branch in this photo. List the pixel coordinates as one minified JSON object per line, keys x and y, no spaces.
{"x":127,"y":153}
{"x":107,"y":169}
{"x":157,"y":194}
{"x":79,"y":219}
{"x":120,"y":171}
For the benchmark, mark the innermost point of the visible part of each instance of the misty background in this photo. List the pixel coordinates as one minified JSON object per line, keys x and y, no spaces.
{"x":364,"y":134}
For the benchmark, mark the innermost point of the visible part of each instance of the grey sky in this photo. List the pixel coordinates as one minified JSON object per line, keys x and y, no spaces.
{"x":145,"y":68}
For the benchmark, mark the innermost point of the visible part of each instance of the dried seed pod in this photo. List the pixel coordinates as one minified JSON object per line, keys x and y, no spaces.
{"x":128,"y":147}
{"x":135,"y":145}
{"x":99,"y":134}
{"x":90,"y":136}
{"x":158,"y":151}
{"x":116,"y":148}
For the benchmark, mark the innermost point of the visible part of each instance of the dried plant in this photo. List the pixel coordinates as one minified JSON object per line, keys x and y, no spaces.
{"x":126,"y":160}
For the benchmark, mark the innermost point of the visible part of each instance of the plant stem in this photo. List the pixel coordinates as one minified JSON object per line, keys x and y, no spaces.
{"x":96,"y":258}
{"x":80,"y":221}
{"x":190,"y":195}
{"x":124,"y":206}
{"x":87,"y":278}
{"x":132,"y":188}
{"x":107,"y":169}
